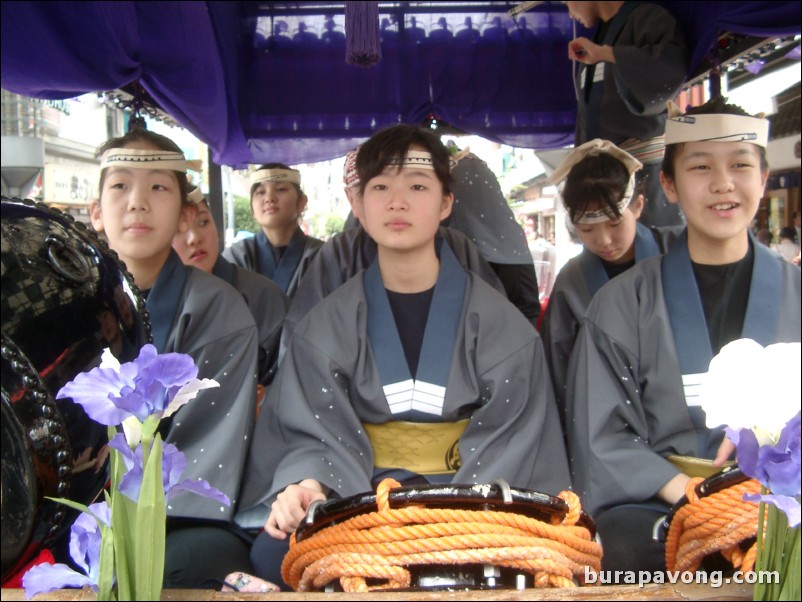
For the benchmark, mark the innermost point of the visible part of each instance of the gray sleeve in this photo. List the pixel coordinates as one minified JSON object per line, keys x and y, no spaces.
{"x":652,"y":61}
{"x":559,"y":330}
{"x":214,"y":429}
{"x":608,"y":437}
{"x":308,"y":430}
{"x":516,"y":433}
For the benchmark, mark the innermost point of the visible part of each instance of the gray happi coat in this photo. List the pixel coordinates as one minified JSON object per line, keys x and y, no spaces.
{"x":198,"y":314}
{"x":268,"y":305}
{"x":300,"y":252}
{"x":576,"y":284}
{"x":626,"y":405}
{"x":351,"y":251}
{"x":329,"y":384}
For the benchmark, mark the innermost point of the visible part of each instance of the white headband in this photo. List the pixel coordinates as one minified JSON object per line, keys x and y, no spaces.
{"x":602,"y":215}
{"x":195,"y":196}
{"x":715,"y":127}
{"x":413,"y":158}
{"x":147,"y":159}
{"x":276,"y":175}
{"x":593,"y":148}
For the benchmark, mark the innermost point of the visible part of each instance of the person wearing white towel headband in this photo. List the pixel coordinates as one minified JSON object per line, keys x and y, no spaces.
{"x":280,"y":250}
{"x":597,"y":183}
{"x":413,"y":344}
{"x":636,"y":374}
{"x":143,"y":203}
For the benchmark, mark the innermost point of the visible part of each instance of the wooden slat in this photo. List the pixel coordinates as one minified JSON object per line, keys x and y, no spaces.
{"x":611,"y":592}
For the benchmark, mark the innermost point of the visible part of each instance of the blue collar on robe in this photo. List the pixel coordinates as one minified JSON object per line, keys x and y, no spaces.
{"x":225,"y":270}
{"x":163,"y":303}
{"x":689,"y":326}
{"x":282,"y":272}
{"x":593,"y":266}
{"x":687,"y":315}
{"x":423,"y":396}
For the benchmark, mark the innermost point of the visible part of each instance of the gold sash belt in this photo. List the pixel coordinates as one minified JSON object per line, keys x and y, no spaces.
{"x":697,"y":467}
{"x":420,"y":447}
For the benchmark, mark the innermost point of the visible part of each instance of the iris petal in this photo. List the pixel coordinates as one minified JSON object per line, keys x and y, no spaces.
{"x":747,"y":453}
{"x":790,"y":506}
{"x":44,"y":578}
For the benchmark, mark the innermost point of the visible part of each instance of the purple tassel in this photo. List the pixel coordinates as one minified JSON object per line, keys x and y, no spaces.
{"x":362,"y":38}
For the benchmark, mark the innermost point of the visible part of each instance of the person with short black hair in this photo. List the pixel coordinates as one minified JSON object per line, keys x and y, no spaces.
{"x":603,"y":197}
{"x":280,"y":250}
{"x":650,"y":333}
{"x":143,"y":203}
{"x":414,"y":344}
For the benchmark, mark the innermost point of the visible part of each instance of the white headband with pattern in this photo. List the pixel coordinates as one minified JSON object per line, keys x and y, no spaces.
{"x":715,"y":127}
{"x":594,"y":148}
{"x":276,"y":175}
{"x":602,"y":215}
{"x":147,"y":159}
{"x":413,"y":158}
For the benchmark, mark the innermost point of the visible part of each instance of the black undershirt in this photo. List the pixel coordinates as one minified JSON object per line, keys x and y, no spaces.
{"x":278,"y":253}
{"x":410,"y":311}
{"x":724,"y":290}
{"x":614,"y":269}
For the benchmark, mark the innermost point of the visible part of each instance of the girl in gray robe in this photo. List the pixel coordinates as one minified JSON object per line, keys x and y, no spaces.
{"x":603,"y":209}
{"x":434,"y":359}
{"x":280,"y":250}
{"x":199,"y":246}
{"x":143,"y":202}
{"x":650,"y":333}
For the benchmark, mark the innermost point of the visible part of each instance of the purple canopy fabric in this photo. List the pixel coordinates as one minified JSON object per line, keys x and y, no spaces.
{"x":240,"y":81}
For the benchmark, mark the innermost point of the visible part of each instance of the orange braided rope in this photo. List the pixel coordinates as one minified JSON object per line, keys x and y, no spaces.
{"x":380,"y":545}
{"x":718,"y":522}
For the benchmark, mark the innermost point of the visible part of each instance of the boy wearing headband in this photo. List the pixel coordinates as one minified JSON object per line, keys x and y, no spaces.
{"x":199,"y":246}
{"x":352,"y":250}
{"x":423,"y":373}
{"x":143,"y":203}
{"x":603,"y":201}
{"x":280,"y":250}
{"x":649,"y":334}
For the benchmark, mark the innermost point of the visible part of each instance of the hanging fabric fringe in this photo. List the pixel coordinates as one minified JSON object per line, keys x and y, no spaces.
{"x":362,"y":38}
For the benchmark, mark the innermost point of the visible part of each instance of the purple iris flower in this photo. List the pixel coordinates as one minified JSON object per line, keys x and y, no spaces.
{"x":789,"y":505}
{"x":775,"y":466}
{"x":139,"y":388}
{"x":173,"y":465}
{"x":85,"y":540}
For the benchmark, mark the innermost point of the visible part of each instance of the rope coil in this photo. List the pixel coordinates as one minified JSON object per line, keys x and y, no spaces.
{"x":382,"y":545}
{"x":719,"y":522}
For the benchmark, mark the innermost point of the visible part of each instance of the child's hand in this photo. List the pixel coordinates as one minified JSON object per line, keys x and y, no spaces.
{"x":724,"y":452}
{"x":585,"y":51}
{"x":290,"y":506}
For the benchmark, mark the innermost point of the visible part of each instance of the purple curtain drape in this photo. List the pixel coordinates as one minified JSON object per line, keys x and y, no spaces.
{"x":257,"y":99}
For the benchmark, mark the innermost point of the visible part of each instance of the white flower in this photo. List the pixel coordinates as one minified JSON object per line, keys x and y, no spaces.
{"x":188,"y":392}
{"x":749,"y":386}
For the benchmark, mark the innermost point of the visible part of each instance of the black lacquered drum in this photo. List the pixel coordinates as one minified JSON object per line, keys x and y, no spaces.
{"x":471,"y":502}
{"x":728,"y":477}
{"x":65,"y":298}
{"x":712,"y":527}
